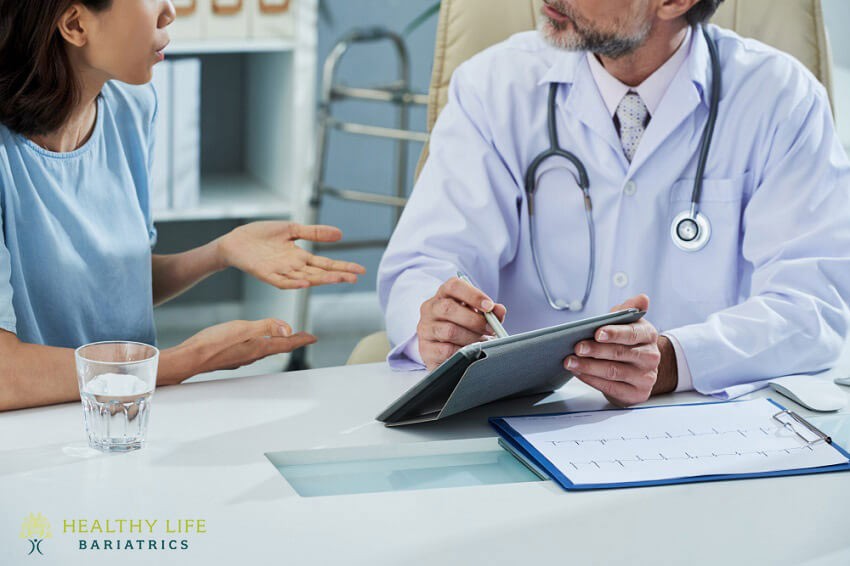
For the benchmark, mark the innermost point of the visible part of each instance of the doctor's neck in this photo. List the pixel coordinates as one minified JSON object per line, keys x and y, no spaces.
{"x":661,"y":43}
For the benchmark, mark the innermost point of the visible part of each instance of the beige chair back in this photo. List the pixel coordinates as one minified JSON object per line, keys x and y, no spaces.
{"x":794,"y":26}
{"x":370,"y":350}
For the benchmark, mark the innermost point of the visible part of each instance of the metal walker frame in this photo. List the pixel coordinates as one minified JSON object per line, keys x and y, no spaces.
{"x":397,"y":93}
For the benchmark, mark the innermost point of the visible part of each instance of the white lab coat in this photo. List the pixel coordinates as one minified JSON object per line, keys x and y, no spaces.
{"x":766,"y":297}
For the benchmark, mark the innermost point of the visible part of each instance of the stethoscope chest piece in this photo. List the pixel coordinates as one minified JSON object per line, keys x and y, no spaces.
{"x":690,"y":233}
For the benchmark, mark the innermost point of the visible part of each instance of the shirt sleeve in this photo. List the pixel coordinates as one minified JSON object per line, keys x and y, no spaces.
{"x":462,"y":215}
{"x":796,"y":237}
{"x":8,"y":321}
{"x":152,"y":233}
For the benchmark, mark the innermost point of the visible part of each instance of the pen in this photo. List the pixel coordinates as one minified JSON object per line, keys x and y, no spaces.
{"x":489,"y":316}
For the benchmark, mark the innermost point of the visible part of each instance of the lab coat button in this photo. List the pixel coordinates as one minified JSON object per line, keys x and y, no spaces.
{"x":621,"y":279}
{"x":630,"y":188}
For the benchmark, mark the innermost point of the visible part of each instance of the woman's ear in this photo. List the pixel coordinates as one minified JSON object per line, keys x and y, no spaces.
{"x":73,"y":25}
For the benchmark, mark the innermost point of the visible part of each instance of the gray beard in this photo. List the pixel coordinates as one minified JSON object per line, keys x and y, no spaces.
{"x":606,"y":45}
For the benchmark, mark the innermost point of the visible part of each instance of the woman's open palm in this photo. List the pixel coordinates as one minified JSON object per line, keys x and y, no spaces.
{"x":267,"y":250}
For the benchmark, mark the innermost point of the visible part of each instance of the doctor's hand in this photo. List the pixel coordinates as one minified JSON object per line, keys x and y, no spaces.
{"x":627,"y":363}
{"x":267,"y":251}
{"x":452,"y":319}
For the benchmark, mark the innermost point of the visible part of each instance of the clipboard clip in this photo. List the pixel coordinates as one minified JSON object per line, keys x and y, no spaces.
{"x":792,"y":421}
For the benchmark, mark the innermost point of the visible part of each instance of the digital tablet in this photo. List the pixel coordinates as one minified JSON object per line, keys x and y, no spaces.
{"x":523,"y":364}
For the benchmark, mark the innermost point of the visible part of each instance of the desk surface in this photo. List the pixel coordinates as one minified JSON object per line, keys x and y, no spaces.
{"x":205,"y":460}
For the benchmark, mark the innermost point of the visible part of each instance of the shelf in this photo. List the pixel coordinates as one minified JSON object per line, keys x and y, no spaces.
{"x":213,"y":46}
{"x":231,"y":197}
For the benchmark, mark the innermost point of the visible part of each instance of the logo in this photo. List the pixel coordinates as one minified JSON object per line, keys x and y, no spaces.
{"x":35,"y":529}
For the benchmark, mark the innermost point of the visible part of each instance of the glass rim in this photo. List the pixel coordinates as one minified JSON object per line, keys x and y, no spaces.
{"x":80,"y":356}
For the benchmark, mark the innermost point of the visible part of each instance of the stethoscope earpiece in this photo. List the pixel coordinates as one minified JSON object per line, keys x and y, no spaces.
{"x":690,"y":233}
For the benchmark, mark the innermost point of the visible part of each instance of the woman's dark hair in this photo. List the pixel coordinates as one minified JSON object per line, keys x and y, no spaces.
{"x":702,"y":11}
{"x":38,"y":90}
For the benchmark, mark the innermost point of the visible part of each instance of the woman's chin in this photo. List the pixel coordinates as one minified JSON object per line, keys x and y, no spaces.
{"x":140,"y":77}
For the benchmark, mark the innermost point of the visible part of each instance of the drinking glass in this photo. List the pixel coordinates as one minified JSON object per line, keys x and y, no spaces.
{"x":117,"y":381}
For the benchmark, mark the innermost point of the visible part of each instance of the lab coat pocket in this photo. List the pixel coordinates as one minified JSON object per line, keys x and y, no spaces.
{"x":709,"y":276}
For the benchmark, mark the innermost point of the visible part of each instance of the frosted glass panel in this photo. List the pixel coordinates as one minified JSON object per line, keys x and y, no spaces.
{"x":399,"y":468}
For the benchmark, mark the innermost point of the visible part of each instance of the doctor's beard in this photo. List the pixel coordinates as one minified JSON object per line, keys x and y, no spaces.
{"x":580,"y":34}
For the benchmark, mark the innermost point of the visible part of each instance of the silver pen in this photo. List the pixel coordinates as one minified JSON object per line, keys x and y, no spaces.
{"x":489,"y":316}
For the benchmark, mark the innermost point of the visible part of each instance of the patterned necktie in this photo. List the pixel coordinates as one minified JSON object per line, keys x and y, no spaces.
{"x":632,"y":114}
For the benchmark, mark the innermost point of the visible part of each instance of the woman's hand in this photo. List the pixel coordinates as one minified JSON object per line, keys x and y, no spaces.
{"x":267,"y":251}
{"x":229,"y":346}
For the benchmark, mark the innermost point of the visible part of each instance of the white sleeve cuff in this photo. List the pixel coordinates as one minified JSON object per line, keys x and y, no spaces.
{"x":686,"y":380}
{"x":405,"y":356}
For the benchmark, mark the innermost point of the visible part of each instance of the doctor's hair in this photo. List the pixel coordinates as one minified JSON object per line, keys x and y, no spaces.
{"x":702,"y":11}
{"x":38,"y":89}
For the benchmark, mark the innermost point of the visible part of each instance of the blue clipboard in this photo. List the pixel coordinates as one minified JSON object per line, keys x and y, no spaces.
{"x":523,"y":449}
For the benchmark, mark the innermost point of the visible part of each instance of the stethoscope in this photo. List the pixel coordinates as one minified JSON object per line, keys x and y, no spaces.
{"x":690,"y":229}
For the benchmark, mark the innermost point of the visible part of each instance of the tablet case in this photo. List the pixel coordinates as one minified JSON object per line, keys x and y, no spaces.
{"x":525,"y":364}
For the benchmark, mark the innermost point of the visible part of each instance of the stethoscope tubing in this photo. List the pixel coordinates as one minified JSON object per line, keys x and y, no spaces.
{"x":583,"y":180}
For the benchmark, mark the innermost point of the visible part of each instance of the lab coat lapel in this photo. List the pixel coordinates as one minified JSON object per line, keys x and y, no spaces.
{"x":680,"y":101}
{"x":684,"y":95}
{"x":585,"y":103}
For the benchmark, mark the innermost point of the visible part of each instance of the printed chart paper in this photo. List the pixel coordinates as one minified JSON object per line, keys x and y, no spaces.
{"x":665,"y":443}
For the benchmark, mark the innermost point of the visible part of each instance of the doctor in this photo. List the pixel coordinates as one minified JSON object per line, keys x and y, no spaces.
{"x":625,"y":151}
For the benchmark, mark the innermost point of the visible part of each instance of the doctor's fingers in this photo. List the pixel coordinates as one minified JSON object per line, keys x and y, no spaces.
{"x":450,"y":310}
{"x":435,"y":353}
{"x":646,"y":356}
{"x":617,"y":393}
{"x":611,"y":371}
{"x":449,"y":333}
{"x":640,"y":302}
{"x":641,"y":332}
{"x":460,"y":290}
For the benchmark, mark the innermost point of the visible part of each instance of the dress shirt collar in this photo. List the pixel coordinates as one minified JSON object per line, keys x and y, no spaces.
{"x":651,"y":90}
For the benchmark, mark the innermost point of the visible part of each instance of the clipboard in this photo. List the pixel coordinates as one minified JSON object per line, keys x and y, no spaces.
{"x":517,"y":445}
{"x":524,"y":364}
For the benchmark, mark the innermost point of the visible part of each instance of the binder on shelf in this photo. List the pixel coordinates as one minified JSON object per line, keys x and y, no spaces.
{"x":272,"y":19}
{"x":186,"y":133}
{"x":161,"y":167}
{"x":190,"y":23}
{"x":674,"y":444}
{"x":228,"y":19}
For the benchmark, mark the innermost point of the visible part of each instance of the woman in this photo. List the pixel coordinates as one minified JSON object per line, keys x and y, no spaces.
{"x":75,"y":223}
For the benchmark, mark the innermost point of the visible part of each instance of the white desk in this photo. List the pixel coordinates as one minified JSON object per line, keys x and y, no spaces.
{"x":205,"y":460}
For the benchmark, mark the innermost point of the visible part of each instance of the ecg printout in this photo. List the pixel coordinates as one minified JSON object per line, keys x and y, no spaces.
{"x":663,"y":443}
